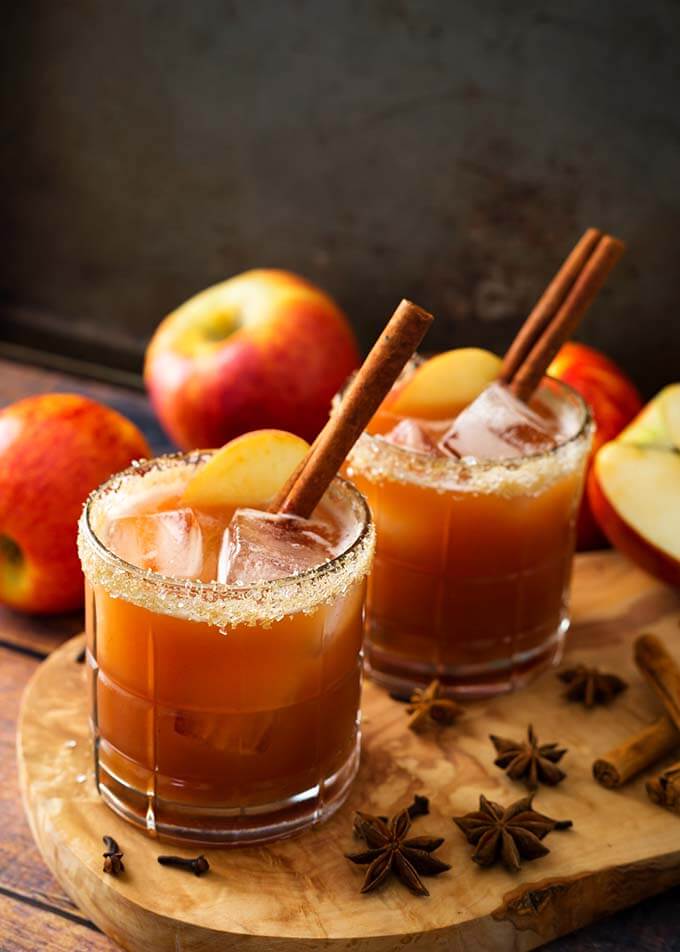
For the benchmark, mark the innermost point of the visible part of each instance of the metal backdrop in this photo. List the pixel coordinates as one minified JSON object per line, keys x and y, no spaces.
{"x":446,"y":151}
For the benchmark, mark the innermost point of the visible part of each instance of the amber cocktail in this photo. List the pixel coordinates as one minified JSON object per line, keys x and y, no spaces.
{"x":473,"y":560}
{"x":222,"y":711}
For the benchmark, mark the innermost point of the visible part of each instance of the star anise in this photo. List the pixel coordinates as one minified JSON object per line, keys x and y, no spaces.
{"x":591,"y":686}
{"x":390,"y":852}
{"x":528,"y":760}
{"x":509,"y":834}
{"x":427,"y":704}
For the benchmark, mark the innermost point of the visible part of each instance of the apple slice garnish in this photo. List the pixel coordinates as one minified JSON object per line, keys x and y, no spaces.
{"x":634,"y":492}
{"x":443,"y":385}
{"x":658,"y":424}
{"x":247,"y":471}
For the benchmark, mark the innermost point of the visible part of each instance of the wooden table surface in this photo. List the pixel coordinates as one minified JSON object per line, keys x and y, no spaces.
{"x":34,"y":911}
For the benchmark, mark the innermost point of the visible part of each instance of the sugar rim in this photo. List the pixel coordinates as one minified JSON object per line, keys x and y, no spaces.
{"x":378,"y":460}
{"x":216,"y":603}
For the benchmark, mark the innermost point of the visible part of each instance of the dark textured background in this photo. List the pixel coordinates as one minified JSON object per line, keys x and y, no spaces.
{"x":448,"y":151}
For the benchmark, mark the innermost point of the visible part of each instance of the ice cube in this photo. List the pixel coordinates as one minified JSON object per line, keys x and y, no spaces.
{"x":260,"y":546}
{"x":498,"y":426}
{"x":212,"y":530}
{"x":412,"y":436}
{"x":168,"y":542}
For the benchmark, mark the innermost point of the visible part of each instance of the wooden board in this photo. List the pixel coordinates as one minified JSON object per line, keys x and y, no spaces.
{"x":29,"y":896}
{"x":302,"y":893}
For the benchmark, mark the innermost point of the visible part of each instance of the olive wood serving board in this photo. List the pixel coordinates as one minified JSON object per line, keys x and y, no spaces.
{"x":301,"y":894}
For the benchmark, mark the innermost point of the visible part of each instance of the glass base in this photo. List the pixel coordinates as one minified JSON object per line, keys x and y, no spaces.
{"x":219,"y":826}
{"x":400,"y":676}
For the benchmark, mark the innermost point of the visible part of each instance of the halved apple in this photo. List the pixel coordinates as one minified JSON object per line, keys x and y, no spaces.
{"x":634,"y":488}
{"x":658,"y":424}
{"x":443,"y":385}
{"x":247,"y":471}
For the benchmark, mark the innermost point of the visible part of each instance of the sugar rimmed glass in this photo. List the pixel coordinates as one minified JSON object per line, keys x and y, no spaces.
{"x":223,"y":713}
{"x":470,"y":582}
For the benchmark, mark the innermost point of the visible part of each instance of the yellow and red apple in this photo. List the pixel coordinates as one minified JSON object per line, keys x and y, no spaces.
{"x":54,"y":449}
{"x":613,"y":400}
{"x":634,"y":487}
{"x":265,"y":349}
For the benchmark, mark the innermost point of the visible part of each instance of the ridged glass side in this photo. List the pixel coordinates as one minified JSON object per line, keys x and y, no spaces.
{"x":217,"y":726}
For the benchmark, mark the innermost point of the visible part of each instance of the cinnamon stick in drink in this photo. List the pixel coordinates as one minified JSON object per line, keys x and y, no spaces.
{"x":553,"y":320}
{"x":548,"y":304}
{"x":567,"y":317}
{"x":665,"y":789}
{"x":636,"y":753}
{"x":397,"y":343}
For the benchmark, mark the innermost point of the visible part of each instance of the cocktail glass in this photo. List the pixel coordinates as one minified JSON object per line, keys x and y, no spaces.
{"x":471,"y":577}
{"x":222,"y":713}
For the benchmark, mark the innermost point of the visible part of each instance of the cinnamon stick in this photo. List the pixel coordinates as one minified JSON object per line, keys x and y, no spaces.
{"x":548,"y":304}
{"x":636,"y":753}
{"x":278,"y":500}
{"x":397,"y":343}
{"x":665,"y":789}
{"x":661,"y":671}
{"x":567,"y":317}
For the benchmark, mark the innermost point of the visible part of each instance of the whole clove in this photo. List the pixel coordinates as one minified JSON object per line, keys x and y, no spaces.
{"x":198,"y":866}
{"x":113,"y":857}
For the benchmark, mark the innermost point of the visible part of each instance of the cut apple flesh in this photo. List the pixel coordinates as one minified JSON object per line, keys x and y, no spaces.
{"x":635,"y":493}
{"x":247,"y":471}
{"x":658,"y":424}
{"x":443,"y":385}
{"x":672,"y":412}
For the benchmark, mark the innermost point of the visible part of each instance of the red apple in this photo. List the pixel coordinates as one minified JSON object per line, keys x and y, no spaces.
{"x":634,"y":487}
{"x":54,"y":449}
{"x":613,"y":400}
{"x":264,"y":350}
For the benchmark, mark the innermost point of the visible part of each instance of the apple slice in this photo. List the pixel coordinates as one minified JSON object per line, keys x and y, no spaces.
{"x":671,"y":407}
{"x":634,"y":492}
{"x":443,"y":385}
{"x":658,"y":424}
{"x":247,"y":471}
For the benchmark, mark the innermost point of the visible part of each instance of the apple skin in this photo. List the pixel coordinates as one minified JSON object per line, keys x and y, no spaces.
{"x":614,"y":401}
{"x":263,"y":350}
{"x":54,"y":449}
{"x":626,"y":539}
